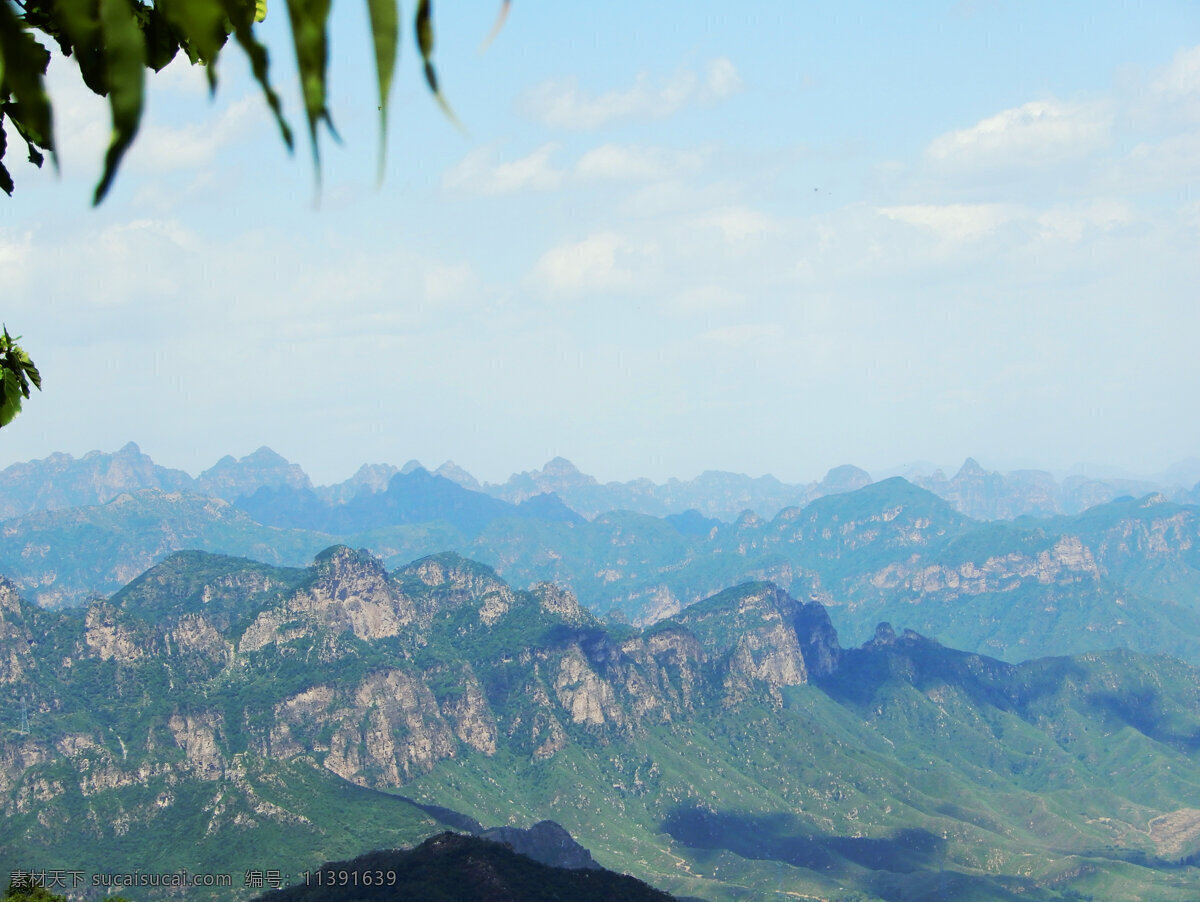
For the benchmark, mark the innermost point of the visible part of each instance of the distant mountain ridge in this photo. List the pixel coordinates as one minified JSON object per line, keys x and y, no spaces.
{"x":1125,"y":573}
{"x":61,"y":481}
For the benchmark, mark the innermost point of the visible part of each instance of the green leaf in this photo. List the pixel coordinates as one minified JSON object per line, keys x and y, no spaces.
{"x":424,"y":26}
{"x":259,"y":63}
{"x":6,"y":182}
{"x":308,"y":18}
{"x":385,"y":27}
{"x":23,"y":63}
{"x":125,"y":62}
{"x":34,"y":142}
{"x":201,"y":24}
{"x":81,"y":37}
{"x":162,"y":38}
{"x":10,"y":406}
{"x":31,"y":371}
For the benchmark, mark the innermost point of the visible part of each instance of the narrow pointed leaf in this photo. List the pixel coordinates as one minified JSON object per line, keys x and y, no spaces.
{"x":309,"y":18}
{"x":424,"y":28}
{"x":125,"y":62}
{"x":385,"y":29}
{"x":259,"y":64}
{"x":499,"y":24}
{"x":30,"y":370}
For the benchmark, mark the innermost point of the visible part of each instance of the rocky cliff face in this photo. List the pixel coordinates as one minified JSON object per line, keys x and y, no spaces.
{"x":379,"y":677}
{"x":16,"y":639}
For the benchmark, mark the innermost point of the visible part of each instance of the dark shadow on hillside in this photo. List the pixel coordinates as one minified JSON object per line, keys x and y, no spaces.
{"x":1143,"y":710}
{"x":446,"y":816}
{"x":923,"y":663}
{"x":904,"y":867}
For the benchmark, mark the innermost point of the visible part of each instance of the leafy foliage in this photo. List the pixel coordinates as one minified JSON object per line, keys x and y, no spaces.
{"x":115,"y":41}
{"x":17,"y":371}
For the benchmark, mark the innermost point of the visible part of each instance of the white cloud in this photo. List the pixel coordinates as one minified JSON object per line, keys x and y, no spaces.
{"x":448,"y":282}
{"x":955,"y":222}
{"x":561,"y":104}
{"x":599,"y":262}
{"x":706,"y":299}
{"x":163,"y":148}
{"x":619,"y":162}
{"x":723,"y":78}
{"x":1038,"y":133}
{"x":477,"y":174}
{"x":1181,"y":78}
{"x":740,"y":335}
{"x":1067,"y":223}
{"x":738,"y":223}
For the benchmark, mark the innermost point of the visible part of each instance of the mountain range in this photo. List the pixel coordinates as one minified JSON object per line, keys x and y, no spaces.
{"x":227,"y":716}
{"x":1124,"y":573}
{"x":62,"y":481}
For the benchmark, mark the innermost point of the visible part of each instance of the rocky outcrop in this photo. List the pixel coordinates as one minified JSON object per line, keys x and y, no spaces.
{"x":16,"y":639}
{"x":352,"y":593}
{"x":1066,"y":561}
{"x":111,"y":638}
{"x":468,"y":712}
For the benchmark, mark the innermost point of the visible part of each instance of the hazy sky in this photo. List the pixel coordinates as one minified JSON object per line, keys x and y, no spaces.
{"x":761,"y":237}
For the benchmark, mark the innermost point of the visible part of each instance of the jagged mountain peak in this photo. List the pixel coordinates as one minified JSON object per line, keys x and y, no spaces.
{"x":448,"y":568}
{"x":844,"y":478}
{"x":452,"y":471}
{"x":339,"y":560}
{"x":231,"y":478}
{"x":970,"y":469}
{"x":561,"y":603}
{"x":560,"y":466}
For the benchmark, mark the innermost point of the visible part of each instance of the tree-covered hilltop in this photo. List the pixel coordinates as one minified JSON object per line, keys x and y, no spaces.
{"x":451,"y":867}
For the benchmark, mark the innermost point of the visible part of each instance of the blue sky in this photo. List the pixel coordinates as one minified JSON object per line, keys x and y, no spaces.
{"x":756,"y":237}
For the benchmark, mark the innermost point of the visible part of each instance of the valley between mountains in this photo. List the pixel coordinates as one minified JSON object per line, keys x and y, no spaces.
{"x":866,"y":696}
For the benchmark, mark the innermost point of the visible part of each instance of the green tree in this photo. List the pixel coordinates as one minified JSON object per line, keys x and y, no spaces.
{"x":35,"y":892}
{"x":31,"y":891}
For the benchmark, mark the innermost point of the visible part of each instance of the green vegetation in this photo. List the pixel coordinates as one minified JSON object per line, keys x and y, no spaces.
{"x":683,"y":754}
{"x":17,"y":371}
{"x":115,"y":44}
